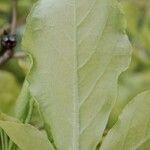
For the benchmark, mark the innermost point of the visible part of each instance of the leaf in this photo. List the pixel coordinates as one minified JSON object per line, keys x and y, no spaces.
{"x":24,"y":135}
{"x":79,"y":48}
{"x":133,"y":126}
{"x":130,"y":85}
{"x":22,"y":103}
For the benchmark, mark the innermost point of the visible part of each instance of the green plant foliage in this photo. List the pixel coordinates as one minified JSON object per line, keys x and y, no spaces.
{"x":130,"y":84}
{"x":24,"y":135}
{"x":137,"y":78}
{"x":8,"y":92}
{"x":73,"y":97}
{"x":80,"y":95}
{"x":138,"y":28}
{"x":5,"y":7}
{"x":133,"y":127}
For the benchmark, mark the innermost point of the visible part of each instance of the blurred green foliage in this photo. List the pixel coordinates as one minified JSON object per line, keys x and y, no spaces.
{"x":12,"y":73}
{"x":137,"y":13}
{"x":24,"y":7}
{"x":9,"y":90}
{"x":137,"y":78}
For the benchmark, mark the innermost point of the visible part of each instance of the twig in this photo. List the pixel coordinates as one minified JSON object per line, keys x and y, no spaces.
{"x":13,"y":24}
{"x":19,"y":55}
{"x":7,"y":55}
{"x":14,"y":17}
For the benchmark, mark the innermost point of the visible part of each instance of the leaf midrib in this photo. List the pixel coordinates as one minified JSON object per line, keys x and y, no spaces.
{"x":76,"y":92}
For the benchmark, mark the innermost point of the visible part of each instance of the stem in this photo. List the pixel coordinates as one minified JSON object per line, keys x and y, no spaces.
{"x":19,"y":55}
{"x":14,"y":17}
{"x":7,"y":55}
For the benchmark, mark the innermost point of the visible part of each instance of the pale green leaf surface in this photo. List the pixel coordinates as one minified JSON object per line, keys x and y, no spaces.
{"x":25,"y":136}
{"x":133,"y":126}
{"x":79,"y":49}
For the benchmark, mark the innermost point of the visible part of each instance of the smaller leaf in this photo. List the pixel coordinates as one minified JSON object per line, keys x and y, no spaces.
{"x":133,"y":126}
{"x":130,"y":84}
{"x":25,"y":136}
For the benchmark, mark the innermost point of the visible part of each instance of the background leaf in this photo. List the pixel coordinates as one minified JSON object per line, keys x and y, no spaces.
{"x":130,"y":84}
{"x":9,"y":90}
{"x":24,"y":135}
{"x":133,"y":126}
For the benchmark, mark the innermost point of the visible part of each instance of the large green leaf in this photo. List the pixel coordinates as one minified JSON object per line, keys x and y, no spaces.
{"x":79,"y":48}
{"x":132,"y":131}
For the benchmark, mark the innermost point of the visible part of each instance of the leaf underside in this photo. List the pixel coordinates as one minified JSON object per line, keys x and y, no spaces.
{"x":79,"y":48}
